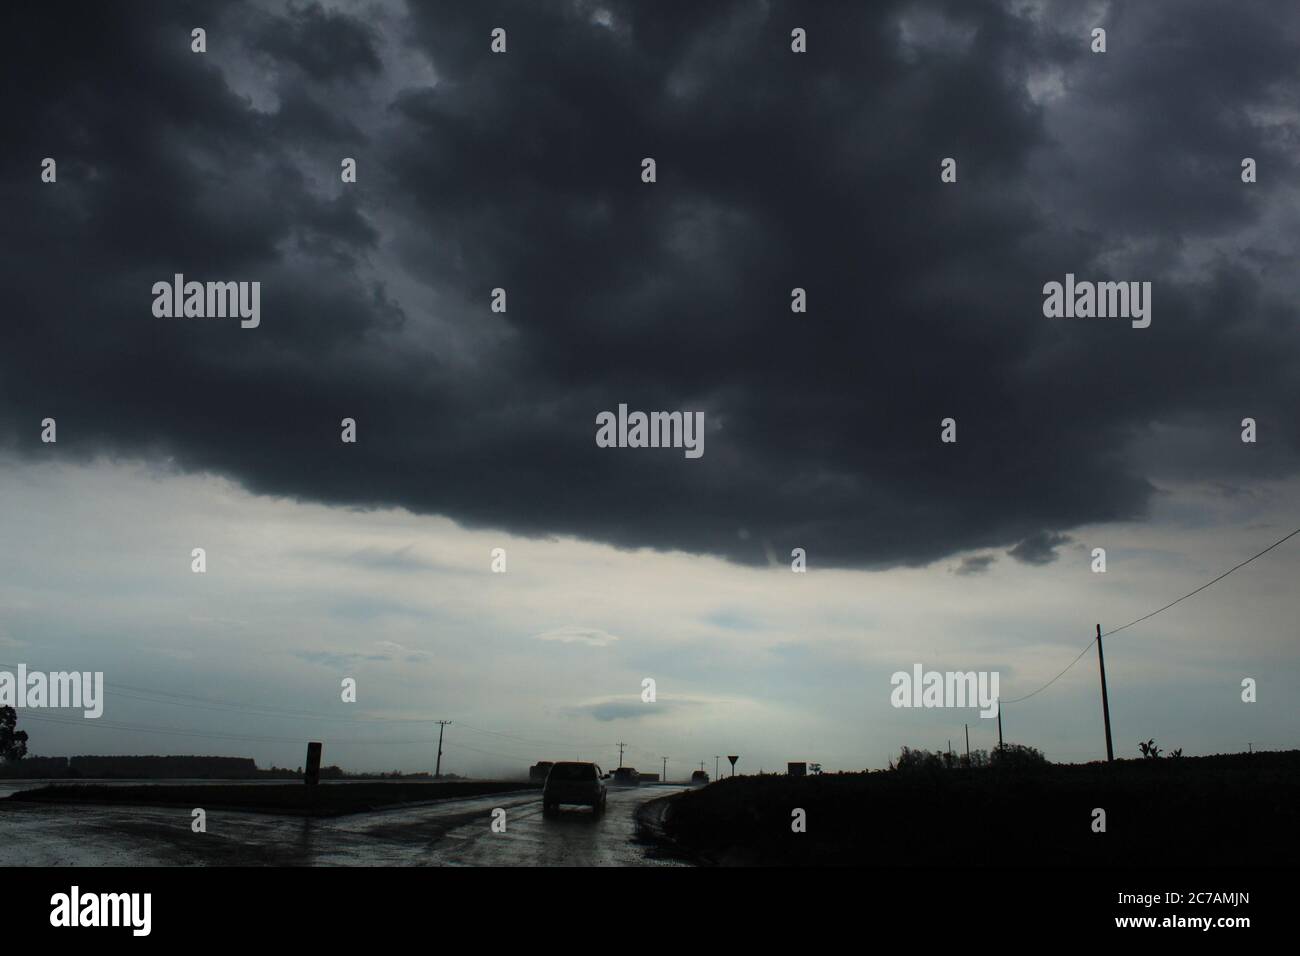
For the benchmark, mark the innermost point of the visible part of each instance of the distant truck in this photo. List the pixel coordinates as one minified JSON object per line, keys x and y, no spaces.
{"x":538,"y":771}
{"x":797,"y":769}
{"x":628,"y":776}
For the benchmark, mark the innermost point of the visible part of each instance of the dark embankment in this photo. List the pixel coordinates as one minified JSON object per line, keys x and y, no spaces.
{"x":1227,"y":810}
{"x":322,"y":800}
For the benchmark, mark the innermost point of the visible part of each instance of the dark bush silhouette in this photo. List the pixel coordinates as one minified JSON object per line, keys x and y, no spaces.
{"x":13,"y":743}
{"x":1017,"y":757}
{"x":1149,"y":749}
{"x":909,"y":759}
{"x":1031,"y":818}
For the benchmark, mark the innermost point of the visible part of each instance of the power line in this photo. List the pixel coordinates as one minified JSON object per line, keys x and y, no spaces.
{"x":1208,"y":583}
{"x":151,"y":696}
{"x":1144,"y":617}
{"x":257,"y":711}
{"x":182,"y":700}
{"x":250,"y":738}
{"x":533,"y":741}
{"x":246,"y":738}
{"x":210,"y":704}
{"x":1016,"y":700}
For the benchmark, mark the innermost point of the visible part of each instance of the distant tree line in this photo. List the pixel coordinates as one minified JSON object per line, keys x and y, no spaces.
{"x":1007,"y":757}
{"x":130,"y":766}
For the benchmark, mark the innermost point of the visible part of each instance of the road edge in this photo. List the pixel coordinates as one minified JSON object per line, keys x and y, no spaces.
{"x":652,"y":826}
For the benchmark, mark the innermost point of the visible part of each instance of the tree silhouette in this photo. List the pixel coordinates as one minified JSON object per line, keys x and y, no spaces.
{"x":1017,"y":757}
{"x":13,"y":743}
{"x":909,"y":759}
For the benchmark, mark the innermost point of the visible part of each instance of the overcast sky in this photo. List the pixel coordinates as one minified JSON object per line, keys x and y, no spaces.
{"x":476,"y":429}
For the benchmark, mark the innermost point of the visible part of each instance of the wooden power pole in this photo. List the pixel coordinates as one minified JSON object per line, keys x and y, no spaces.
{"x":437,"y":770}
{"x":1105,"y":701}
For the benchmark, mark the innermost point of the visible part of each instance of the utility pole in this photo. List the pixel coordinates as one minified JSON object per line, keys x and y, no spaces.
{"x":967,"y":744}
{"x":716,"y":758}
{"x":437,"y":770}
{"x":1105,"y":702}
{"x":621,"y":745}
{"x":999,"y":724}
{"x":664,"y":778}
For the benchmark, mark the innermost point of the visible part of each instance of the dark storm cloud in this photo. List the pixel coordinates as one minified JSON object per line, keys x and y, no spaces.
{"x":338,"y":660}
{"x":1039,"y":548}
{"x":774,"y":171}
{"x":975,"y":564}
{"x":324,"y":44}
{"x":385,"y":559}
{"x":628,"y":709}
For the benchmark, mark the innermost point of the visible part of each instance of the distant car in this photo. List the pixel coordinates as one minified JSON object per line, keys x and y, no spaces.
{"x":574,"y":782}
{"x":628,"y":776}
{"x":699,"y":777}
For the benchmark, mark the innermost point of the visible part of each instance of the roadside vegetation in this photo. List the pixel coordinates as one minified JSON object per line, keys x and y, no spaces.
{"x":1012,"y":809}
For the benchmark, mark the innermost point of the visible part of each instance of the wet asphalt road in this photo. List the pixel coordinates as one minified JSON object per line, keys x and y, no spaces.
{"x":445,"y":833}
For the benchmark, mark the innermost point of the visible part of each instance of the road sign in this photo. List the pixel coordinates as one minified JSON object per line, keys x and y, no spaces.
{"x":733,"y":758}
